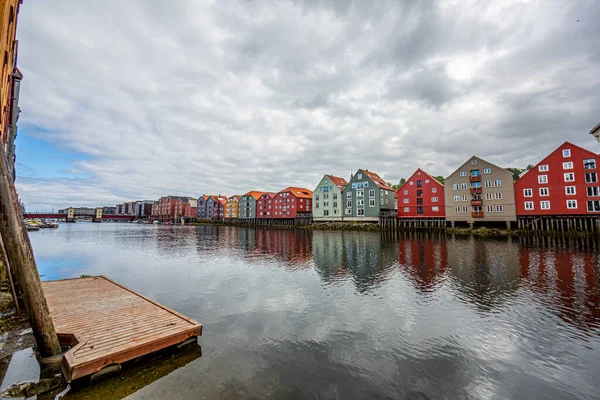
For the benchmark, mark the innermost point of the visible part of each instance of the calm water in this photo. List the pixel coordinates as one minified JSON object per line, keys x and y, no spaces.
{"x":300,"y":314}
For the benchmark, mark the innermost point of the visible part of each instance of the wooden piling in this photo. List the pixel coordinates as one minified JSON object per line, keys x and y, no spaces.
{"x":21,"y":259}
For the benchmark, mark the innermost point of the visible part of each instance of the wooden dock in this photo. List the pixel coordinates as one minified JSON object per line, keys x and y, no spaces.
{"x":107,"y":324}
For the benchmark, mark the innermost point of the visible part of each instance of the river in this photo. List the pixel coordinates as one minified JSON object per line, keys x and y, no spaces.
{"x":353,"y":315}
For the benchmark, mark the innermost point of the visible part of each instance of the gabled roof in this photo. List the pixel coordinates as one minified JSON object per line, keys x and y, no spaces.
{"x":337,"y":181}
{"x":235,"y":197}
{"x":270,"y":194}
{"x":425,"y":173}
{"x":482,"y":159}
{"x":595,"y":129}
{"x":254,"y":193}
{"x":377,"y":180}
{"x":298,"y":192}
{"x":543,"y":160}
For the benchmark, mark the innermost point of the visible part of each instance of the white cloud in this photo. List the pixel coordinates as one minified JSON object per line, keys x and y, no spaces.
{"x":225,"y":97}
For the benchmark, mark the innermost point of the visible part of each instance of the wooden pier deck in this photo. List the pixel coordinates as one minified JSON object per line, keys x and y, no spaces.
{"x":106,"y":323}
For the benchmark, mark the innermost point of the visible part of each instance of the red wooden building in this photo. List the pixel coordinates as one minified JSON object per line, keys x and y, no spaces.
{"x":292,"y":202}
{"x":264,"y":205}
{"x":563,"y":183}
{"x":421,"y":196}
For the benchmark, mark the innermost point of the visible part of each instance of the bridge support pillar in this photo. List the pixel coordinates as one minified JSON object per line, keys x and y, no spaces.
{"x":70,"y":215}
{"x":98,"y":217}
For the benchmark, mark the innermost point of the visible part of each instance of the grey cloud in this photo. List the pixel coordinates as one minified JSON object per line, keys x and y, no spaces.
{"x":225,"y":97}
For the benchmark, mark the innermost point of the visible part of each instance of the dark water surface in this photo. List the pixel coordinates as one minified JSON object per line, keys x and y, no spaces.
{"x":353,"y":315}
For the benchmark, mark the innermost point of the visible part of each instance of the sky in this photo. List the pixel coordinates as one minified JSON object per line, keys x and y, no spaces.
{"x":131,"y":100}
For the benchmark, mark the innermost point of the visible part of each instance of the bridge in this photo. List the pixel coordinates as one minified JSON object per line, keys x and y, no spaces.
{"x":72,"y":216}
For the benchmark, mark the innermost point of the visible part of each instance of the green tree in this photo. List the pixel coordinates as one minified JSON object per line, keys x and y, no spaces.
{"x":515,"y":171}
{"x":439,"y":178}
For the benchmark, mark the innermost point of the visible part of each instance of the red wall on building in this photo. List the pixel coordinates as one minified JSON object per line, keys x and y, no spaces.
{"x":430,"y":188}
{"x":556,"y":183}
{"x":264,"y":205}
{"x":292,"y":202}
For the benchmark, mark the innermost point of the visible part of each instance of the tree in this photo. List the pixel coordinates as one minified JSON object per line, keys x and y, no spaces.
{"x":515,"y":171}
{"x":439,"y":178}
{"x":399,"y":185}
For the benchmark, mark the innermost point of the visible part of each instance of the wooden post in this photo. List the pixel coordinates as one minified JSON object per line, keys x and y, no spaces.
{"x":6,"y":269}
{"x":20,"y":257}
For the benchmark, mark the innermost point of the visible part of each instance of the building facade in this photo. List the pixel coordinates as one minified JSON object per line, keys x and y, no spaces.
{"x":293,"y":202}
{"x":180,"y":205}
{"x":327,"y":199}
{"x":201,"y":207}
{"x":231,"y":207}
{"x":564,"y":183}
{"x":421,"y":196}
{"x":366,"y":196}
{"x":247,"y":205}
{"x":264,"y":205}
{"x":143,"y":208}
{"x":190,"y":212}
{"x":215,"y":207}
{"x":479,"y":191}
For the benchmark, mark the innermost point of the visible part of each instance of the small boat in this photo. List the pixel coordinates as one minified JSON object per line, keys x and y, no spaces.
{"x":155,"y":222}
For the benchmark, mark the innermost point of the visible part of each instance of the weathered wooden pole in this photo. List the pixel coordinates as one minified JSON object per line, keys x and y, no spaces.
{"x":6,"y":269}
{"x":20,"y":257}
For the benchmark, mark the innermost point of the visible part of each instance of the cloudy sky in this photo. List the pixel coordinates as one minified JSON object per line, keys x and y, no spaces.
{"x":125,"y":100}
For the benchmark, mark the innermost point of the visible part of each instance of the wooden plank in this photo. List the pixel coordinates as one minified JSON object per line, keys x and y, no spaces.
{"x":109,"y":323}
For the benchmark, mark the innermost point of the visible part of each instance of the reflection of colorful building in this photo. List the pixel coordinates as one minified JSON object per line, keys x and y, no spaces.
{"x":294,"y":247}
{"x":426,"y":260}
{"x":570,"y":278}
{"x":421,"y":196}
{"x":327,"y":254}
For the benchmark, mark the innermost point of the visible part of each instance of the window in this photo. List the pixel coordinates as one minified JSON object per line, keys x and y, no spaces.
{"x":569,"y":189}
{"x":489,"y":196}
{"x":335,"y":204}
{"x":360,"y":212}
{"x":488,"y":184}
{"x":419,"y":184}
{"x":360,"y":202}
{"x":543,"y":168}
{"x":366,"y":184}
{"x":542,"y":178}
{"x":544,"y":191}
{"x":545,"y":205}
{"x":464,"y":197}
{"x":593,"y":191}
{"x":349,"y":203}
{"x":360,"y":193}
{"x":529,"y":205}
{"x":426,"y":180}
{"x":463,"y":173}
{"x":434,"y":199}
{"x":455,"y":186}
{"x":420,"y":193}
{"x":499,"y":208}
{"x":593,"y":205}
{"x":433,"y":190}
{"x":405,"y":201}
{"x":490,"y":208}
{"x":463,"y":185}
{"x":487,"y":171}
{"x":568,"y":165}
{"x":498,"y":196}
{"x":348,"y":211}
{"x":589,"y":163}
{"x":372,"y":193}
{"x":571,"y":204}
{"x":325,"y":213}
{"x":435,"y":208}
{"x":325,"y":204}
{"x":591,"y":177}
{"x":527,"y":192}
{"x":570,"y":177}
{"x":457,"y":197}
{"x":457,"y":210}
{"x":497,"y":182}
{"x":371,"y":202}
{"x":567,"y":153}
{"x":473,"y":162}
{"x":349,"y":195}
{"x":317,"y":197}
{"x":359,"y":176}
{"x":381,"y":192}
{"x":465,"y":209}
{"x":406,"y":209}
{"x":334,"y":196}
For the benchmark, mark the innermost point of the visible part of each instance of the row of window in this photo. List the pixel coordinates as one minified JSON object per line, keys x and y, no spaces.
{"x":433,"y":190}
{"x":360,"y":193}
{"x":486,"y":171}
{"x":433,"y":200}
{"x":326,"y":196}
{"x":592,"y":191}
{"x":326,"y":204}
{"x":434,"y":208}
{"x":588,"y":163}
{"x":487,"y":184}
{"x":590,"y":177}
{"x":490,"y":208}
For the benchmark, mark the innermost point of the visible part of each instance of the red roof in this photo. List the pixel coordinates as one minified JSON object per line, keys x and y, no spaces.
{"x":298,"y":192}
{"x":255,"y":194}
{"x":270,"y":194}
{"x":414,"y":173}
{"x":377,"y":180}
{"x":337,"y":181}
